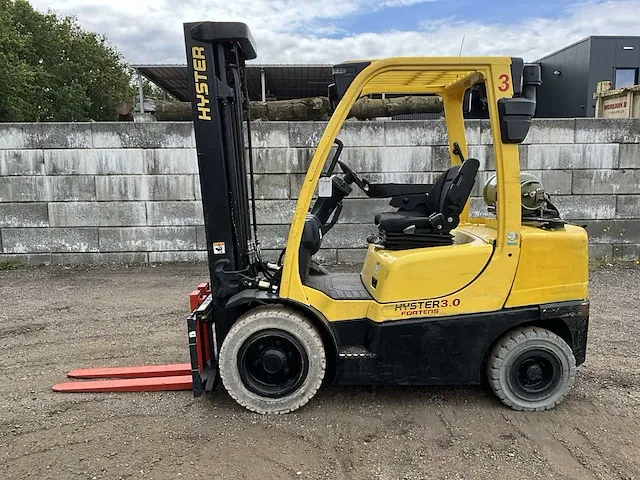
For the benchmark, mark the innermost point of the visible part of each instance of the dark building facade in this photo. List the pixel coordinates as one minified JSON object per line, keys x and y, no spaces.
{"x":570,"y":75}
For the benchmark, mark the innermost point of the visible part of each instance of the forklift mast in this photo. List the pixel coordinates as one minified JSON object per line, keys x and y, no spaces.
{"x":216,"y":55}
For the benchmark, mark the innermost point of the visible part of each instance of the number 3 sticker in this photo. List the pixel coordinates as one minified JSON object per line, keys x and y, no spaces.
{"x":504,"y":86}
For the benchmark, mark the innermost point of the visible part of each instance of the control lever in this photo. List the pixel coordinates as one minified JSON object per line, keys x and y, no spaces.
{"x":336,"y":214}
{"x":458,"y":151}
{"x":437,"y":220}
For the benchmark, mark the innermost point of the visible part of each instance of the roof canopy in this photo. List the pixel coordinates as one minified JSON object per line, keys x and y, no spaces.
{"x":285,"y":82}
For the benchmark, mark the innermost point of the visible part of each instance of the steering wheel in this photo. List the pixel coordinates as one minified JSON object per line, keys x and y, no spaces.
{"x":352,"y":177}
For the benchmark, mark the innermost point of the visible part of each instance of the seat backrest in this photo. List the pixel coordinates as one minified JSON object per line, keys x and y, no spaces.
{"x":452,"y":189}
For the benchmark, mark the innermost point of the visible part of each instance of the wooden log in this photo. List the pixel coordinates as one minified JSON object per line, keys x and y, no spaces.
{"x":367,"y":108}
{"x":314,"y":108}
{"x":125,"y":111}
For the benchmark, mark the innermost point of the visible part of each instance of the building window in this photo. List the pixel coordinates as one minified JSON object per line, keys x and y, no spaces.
{"x":626,"y":77}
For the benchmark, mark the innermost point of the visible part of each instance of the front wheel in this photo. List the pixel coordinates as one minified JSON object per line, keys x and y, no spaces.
{"x":531,"y":369}
{"x":272,"y":360}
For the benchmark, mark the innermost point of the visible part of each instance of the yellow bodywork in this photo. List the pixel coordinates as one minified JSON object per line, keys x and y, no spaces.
{"x":494,"y":263}
{"x":385,"y":272}
{"x":553,"y":267}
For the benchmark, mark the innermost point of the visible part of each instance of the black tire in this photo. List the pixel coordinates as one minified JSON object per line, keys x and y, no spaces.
{"x":272,"y":361}
{"x":531,"y":369}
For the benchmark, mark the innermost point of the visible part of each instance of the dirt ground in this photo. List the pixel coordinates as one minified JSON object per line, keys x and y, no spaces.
{"x":56,"y":319}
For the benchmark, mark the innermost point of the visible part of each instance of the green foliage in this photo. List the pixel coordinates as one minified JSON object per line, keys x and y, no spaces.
{"x":10,"y":264}
{"x":151,"y":90}
{"x":52,"y":70}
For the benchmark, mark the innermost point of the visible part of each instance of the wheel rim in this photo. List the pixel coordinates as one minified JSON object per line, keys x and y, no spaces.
{"x":272,"y":363}
{"x":535,"y":374}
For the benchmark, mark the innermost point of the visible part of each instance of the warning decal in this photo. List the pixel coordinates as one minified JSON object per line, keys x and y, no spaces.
{"x":219,"y":248}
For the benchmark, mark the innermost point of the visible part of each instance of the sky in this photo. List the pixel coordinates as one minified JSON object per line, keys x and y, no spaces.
{"x":332,"y":31}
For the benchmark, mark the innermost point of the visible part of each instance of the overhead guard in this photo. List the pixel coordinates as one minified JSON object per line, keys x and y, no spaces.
{"x":211,"y":32}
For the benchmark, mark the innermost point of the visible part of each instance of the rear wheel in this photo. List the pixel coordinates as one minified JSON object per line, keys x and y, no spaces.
{"x":272,"y":360}
{"x":531,"y":369}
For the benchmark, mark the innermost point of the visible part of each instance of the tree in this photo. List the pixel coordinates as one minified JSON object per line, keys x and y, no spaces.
{"x":52,"y":70}
{"x":151,"y":90}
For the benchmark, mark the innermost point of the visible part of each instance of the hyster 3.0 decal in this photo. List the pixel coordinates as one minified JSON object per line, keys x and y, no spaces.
{"x":424,"y":307}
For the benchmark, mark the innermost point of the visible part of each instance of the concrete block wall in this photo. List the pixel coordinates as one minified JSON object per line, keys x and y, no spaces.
{"x":130,"y":192}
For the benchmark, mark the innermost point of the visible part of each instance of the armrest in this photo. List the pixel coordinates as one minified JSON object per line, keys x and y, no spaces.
{"x":389,"y":190}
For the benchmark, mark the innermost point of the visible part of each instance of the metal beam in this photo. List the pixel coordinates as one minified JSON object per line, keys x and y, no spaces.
{"x":467,"y":80}
{"x":140,"y":92}
{"x":263,"y":85}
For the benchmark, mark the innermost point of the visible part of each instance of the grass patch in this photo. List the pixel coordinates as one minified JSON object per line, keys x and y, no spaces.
{"x":10,"y":264}
{"x":596,"y":263}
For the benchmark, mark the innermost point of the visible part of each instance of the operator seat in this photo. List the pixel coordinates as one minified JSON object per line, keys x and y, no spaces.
{"x":430,"y":222}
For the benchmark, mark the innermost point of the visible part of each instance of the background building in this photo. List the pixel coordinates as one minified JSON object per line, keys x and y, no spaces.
{"x":571,"y":74}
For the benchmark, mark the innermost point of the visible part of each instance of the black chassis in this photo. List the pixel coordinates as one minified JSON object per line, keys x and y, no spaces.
{"x":425,"y":351}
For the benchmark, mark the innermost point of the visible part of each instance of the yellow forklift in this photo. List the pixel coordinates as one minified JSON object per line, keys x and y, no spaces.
{"x":441,"y":299}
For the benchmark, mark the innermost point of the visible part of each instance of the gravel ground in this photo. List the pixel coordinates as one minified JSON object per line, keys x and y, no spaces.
{"x":56,"y":319}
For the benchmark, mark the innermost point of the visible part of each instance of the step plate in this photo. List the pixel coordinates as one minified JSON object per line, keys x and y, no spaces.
{"x":355,"y":351}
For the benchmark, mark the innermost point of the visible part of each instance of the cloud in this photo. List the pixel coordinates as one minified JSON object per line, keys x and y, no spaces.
{"x":404,"y":3}
{"x":303,"y":31}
